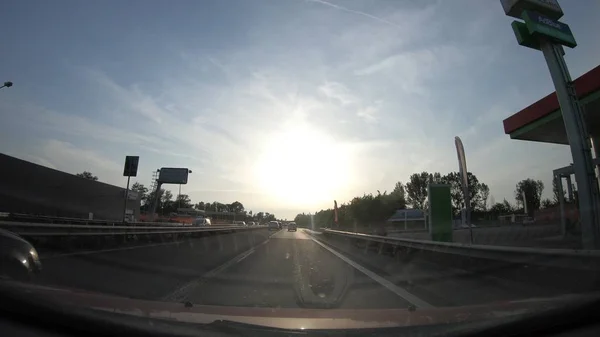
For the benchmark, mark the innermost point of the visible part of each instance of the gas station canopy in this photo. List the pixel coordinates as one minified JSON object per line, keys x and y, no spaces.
{"x":542,"y":121}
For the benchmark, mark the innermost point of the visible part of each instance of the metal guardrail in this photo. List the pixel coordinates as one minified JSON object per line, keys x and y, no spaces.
{"x":19,"y":217}
{"x":46,"y":229}
{"x":562,"y":258}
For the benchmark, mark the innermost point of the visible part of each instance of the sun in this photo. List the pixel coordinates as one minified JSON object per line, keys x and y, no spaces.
{"x":302,"y":167}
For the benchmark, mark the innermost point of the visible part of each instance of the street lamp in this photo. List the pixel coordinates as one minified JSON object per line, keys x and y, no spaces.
{"x":7,"y":84}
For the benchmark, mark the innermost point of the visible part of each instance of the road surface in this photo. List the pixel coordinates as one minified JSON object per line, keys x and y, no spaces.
{"x":277,"y":269}
{"x":291,"y":271}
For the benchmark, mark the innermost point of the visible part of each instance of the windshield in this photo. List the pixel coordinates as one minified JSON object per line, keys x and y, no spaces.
{"x":326,"y":161}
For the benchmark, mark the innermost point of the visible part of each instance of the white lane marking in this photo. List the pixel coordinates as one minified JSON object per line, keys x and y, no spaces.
{"x":182,"y":292}
{"x":419,"y":303}
{"x":88,"y":252}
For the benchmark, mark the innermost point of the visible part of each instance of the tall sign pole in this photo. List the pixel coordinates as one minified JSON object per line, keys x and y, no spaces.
{"x":130,"y":170}
{"x":542,"y":31}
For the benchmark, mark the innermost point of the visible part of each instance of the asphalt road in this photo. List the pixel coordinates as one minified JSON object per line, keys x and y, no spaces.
{"x":277,"y":269}
{"x":146,"y":271}
{"x":291,"y":271}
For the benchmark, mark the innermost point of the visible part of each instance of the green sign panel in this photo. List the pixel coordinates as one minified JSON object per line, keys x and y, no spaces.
{"x":523,"y":37}
{"x":540,"y":25}
{"x":440,"y":212}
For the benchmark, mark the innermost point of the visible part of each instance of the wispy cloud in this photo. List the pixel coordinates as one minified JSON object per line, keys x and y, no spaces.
{"x":364,"y":14}
{"x":369,"y":113}
{"x":337,"y":91}
{"x":68,"y":157}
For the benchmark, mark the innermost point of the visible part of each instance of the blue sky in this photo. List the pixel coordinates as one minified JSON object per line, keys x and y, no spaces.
{"x":283,"y":105}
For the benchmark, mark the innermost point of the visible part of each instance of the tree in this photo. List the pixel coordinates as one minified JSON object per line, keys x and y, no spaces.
{"x":416,"y":189}
{"x":508,"y":206}
{"x":236,"y":207}
{"x":183,"y":201}
{"x":547,"y":203}
{"x":151,"y":198}
{"x":435,"y":178}
{"x":456,"y":190}
{"x":501,"y":208}
{"x":484,"y":193}
{"x":532,"y":189}
{"x":556,"y":191}
{"x":259,"y":216}
{"x":142,"y":192}
{"x":370,"y":209}
{"x":398,"y":196}
{"x":166,"y":200}
{"x":167,"y":196}
{"x":269,"y":217}
{"x":303,"y":220}
{"x":87,"y":175}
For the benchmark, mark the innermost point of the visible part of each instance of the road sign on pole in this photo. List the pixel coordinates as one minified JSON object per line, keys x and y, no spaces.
{"x":131,"y":166}
{"x":539,"y":26}
{"x":523,"y":37}
{"x":548,"y":35}
{"x":549,"y":8}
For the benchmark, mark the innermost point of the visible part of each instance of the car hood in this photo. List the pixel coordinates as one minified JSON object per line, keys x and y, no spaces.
{"x":291,"y":318}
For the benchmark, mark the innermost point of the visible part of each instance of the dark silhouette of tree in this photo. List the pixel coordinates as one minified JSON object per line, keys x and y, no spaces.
{"x":416,"y":189}
{"x":87,"y":175}
{"x":532,"y":189}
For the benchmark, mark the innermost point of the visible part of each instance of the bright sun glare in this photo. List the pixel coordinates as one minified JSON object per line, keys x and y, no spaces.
{"x":302,"y":166}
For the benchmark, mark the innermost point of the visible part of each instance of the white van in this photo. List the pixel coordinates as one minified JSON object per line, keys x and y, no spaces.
{"x":201,"y":221}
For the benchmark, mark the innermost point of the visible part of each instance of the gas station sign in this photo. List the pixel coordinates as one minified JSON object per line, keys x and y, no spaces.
{"x":523,"y":37}
{"x":542,"y":31}
{"x":558,"y":32}
{"x":549,"y":8}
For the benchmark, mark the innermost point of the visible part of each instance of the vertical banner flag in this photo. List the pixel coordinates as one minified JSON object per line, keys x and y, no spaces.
{"x":335,"y":212}
{"x":462,"y":167}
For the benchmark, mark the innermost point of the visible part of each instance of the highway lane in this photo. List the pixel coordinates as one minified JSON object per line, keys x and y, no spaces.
{"x":292,"y":271}
{"x":148,"y":271}
{"x":280,"y":269}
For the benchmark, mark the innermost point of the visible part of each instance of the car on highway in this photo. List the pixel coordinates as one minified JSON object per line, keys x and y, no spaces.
{"x":274,"y":225}
{"x":202,"y":221}
{"x":292,"y":227}
{"x":19,"y":260}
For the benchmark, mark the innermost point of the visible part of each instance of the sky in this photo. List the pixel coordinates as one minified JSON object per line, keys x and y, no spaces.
{"x":283,"y":105}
